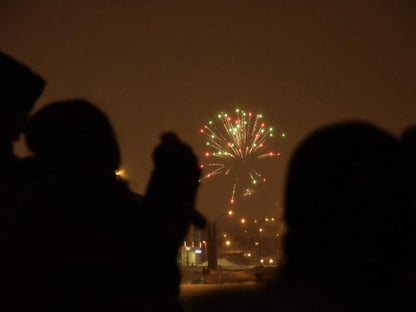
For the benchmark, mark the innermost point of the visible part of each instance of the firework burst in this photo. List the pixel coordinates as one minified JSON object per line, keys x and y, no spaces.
{"x":235,"y":145}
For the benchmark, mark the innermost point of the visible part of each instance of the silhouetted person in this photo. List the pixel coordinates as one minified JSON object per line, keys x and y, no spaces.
{"x":171,"y":193}
{"x":347,"y":208}
{"x":85,"y":242}
{"x":82,"y":241}
{"x":19,"y":89}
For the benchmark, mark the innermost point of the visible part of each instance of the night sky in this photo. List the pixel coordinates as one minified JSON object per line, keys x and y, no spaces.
{"x":172,"y":65}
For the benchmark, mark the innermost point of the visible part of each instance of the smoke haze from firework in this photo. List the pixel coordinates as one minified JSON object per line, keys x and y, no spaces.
{"x":234,"y":145}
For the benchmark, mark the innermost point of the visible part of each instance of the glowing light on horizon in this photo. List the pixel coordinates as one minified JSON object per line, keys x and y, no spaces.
{"x":120,"y":173}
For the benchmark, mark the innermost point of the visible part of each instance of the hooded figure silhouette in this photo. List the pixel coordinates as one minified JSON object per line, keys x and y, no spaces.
{"x":83,"y":237}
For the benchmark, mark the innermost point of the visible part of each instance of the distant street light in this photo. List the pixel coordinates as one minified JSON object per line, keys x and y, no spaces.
{"x":259,"y":231}
{"x":260,"y":242}
{"x":120,"y":173}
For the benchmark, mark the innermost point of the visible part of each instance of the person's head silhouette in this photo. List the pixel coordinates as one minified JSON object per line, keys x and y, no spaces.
{"x":346,"y":207}
{"x":74,"y":132}
{"x":176,"y":162}
{"x":19,"y":89}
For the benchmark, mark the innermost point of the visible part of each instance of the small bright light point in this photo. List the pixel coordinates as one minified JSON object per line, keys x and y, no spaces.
{"x":262,"y":130}
{"x":232,"y":201}
{"x":202,"y":130}
{"x":267,"y":219}
{"x":219,"y":116}
{"x":249,"y":255}
{"x":243,"y":220}
{"x":261,"y":260}
{"x":206,"y":154}
{"x":271,"y":153}
{"x":228,"y":243}
{"x":256,"y":243}
{"x":213,"y":136}
{"x":255,"y":221}
{"x":270,"y":261}
{"x":271,"y":129}
{"x":207,"y":143}
{"x":210,"y":122}
{"x":230,"y":212}
{"x":278,"y":154}
{"x":283,"y":134}
{"x":202,"y":166}
{"x":262,"y":124}
{"x":271,"y":134}
{"x":120,"y":173}
{"x":264,"y":180}
{"x":237,"y":110}
{"x":260,"y":229}
{"x":272,"y":219}
{"x":225,"y":235}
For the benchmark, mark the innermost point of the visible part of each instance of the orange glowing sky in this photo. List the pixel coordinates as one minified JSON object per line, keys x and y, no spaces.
{"x":172,"y":65}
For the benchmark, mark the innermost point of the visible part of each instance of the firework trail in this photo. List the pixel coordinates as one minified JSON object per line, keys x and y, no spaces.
{"x":234,"y":145}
